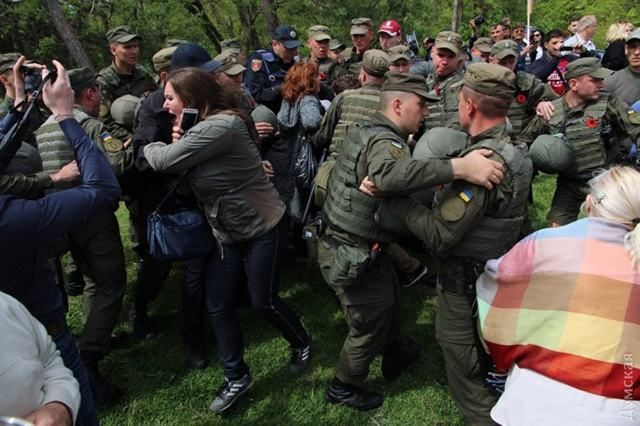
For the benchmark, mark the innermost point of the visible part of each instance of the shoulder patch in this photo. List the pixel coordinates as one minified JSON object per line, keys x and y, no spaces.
{"x":466,"y":195}
{"x":396,"y":150}
{"x":256,"y":64}
{"x":110,"y":143}
{"x":452,"y":209}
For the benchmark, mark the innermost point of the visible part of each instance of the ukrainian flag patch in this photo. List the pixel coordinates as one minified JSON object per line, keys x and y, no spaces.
{"x":466,"y":194}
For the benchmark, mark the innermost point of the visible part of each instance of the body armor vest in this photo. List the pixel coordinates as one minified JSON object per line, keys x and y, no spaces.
{"x":517,"y":114}
{"x":499,"y":229}
{"x":358,"y":106}
{"x":346,"y":207}
{"x":584,"y":133}
{"x":444,"y":113}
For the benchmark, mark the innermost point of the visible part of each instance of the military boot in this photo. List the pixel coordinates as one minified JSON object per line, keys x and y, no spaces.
{"x":353,"y":396}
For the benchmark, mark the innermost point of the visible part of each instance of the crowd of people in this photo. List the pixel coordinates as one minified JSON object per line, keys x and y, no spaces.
{"x":384,"y":166}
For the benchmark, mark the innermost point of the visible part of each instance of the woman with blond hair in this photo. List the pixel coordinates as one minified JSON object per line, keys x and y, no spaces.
{"x":615,"y":57}
{"x":561,"y":313}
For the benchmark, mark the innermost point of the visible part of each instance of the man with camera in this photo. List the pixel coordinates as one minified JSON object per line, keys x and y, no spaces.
{"x":96,"y":245}
{"x":25,"y":271}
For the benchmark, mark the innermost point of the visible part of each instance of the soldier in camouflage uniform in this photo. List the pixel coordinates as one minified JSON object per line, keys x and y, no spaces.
{"x":352,"y":254}
{"x":592,"y":123}
{"x":467,"y":226}
{"x":440,"y":82}
{"x":363,"y":38}
{"x":529,"y":90}
{"x":318,"y":41}
{"x":123,"y":76}
{"x":97,"y":244}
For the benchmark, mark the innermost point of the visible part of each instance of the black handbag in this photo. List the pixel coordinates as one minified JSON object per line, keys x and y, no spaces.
{"x":179,"y":236}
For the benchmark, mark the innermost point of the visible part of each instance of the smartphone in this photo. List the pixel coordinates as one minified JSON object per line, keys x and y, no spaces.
{"x":189,"y":118}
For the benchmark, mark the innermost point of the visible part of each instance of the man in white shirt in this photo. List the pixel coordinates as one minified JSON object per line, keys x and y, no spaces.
{"x":582,"y":41}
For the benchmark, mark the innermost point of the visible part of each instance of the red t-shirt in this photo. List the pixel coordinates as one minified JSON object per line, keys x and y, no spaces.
{"x":554,"y":80}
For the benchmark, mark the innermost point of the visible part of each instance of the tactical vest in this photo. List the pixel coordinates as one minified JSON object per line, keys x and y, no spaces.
{"x":55,"y":150}
{"x":444,"y":113}
{"x":517,"y":114}
{"x":499,"y":229}
{"x":353,"y":62}
{"x":276,"y":77}
{"x":111,"y":82}
{"x":584,"y":133}
{"x":358,"y":106}
{"x":346,"y":207}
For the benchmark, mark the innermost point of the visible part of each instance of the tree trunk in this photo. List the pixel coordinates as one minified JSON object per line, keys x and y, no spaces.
{"x":196,"y":8}
{"x":456,"y":16}
{"x":270,"y":15}
{"x":67,"y":34}
{"x":247,"y":14}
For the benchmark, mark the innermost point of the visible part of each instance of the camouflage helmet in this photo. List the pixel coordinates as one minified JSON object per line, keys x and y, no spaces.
{"x":263,"y":114}
{"x":440,"y":143}
{"x":551,"y":154}
{"x":124,"y":110}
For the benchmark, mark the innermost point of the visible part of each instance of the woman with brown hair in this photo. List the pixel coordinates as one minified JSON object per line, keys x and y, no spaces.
{"x":225,"y":172}
{"x":300,"y":115}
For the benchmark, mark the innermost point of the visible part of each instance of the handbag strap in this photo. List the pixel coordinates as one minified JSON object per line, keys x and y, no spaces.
{"x":171,"y":191}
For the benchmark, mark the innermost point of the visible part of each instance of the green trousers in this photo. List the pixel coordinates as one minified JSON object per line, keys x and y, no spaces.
{"x":569,"y":196}
{"x":369,"y":308}
{"x":465,"y":377}
{"x":97,"y":245}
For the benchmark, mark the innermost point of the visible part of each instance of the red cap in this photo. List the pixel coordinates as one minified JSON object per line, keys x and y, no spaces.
{"x":390,"y":27}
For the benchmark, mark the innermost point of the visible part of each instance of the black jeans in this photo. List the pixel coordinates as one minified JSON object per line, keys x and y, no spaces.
{"x":262,"y":257}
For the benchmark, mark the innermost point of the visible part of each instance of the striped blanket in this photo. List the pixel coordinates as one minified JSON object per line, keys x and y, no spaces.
{"x":565,"y":302}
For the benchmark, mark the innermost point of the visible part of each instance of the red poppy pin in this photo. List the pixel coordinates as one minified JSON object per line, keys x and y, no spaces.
{"x":521,"y":98}
{"x":591,"y":122}
{"x":323,"y":76}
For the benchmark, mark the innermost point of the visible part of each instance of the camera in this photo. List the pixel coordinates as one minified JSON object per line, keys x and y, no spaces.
{"x":32,"y":78}
{"x":479,"y":20}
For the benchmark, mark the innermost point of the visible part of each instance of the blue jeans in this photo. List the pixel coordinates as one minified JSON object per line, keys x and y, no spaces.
{"x":262,"y":258}
{"x":64,"y":342}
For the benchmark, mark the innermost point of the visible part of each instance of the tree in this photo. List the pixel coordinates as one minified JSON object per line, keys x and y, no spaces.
{"x":67,"y":34}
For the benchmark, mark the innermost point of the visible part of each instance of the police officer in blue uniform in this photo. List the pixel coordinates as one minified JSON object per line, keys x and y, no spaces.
{"x":266,"y":68}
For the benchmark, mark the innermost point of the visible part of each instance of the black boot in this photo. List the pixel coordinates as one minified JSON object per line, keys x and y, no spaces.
{"x":104,"y":392}
{"x":397,"y":357}
{"x":352,"y":396}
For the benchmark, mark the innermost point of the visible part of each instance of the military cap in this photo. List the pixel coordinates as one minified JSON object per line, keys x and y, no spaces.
{"x":361,"y":26}
{"x":399,"y":52}
{"x":162,"y":58}
{"x":81,"y":78}
{"x":8,"y":60}
{"x":336,"y":44}
{"x":123,"y":110}
{"x":264,"y":114}
{"x":449,"y":40}
{"x":121,"y":34}
{"x":286,"y":35}
{"x":551,"y":154}
{"x":489,"y":79}
{"x":230,"y":43}
{"x":319,"y":33}
{"x":503,"y":48}
{"x":590,"y":66}
{"x":411,"y":83}
{"x":229,"y":63}
{"x":483,"y":44}
{"x":175,"y":42}
{"x":440,"y":143}
{"x":635,"y":35}
{"x":375,"y":62}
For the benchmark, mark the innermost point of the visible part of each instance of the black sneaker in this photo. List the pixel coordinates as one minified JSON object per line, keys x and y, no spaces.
{"x":229,"y":392}
{"x":300,"y":358}
{"x":415,"y":276}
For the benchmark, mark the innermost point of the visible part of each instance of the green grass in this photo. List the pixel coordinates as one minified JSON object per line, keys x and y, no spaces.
{"x":161,"y":391}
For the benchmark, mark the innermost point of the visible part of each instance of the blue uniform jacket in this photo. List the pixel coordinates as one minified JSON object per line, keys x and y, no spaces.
{"x":265,"y":74}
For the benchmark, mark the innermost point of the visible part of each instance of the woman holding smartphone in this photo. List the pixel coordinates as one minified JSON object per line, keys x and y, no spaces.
{"x":245,"y":213}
